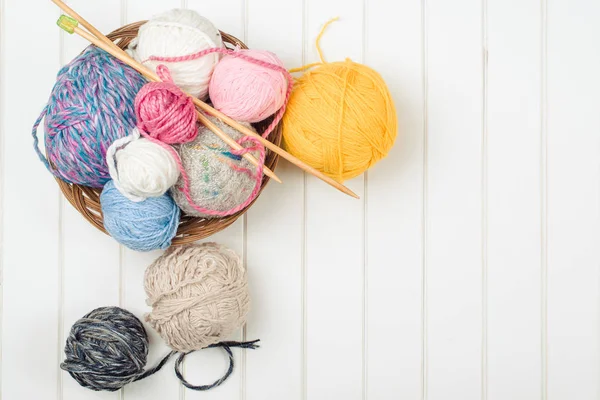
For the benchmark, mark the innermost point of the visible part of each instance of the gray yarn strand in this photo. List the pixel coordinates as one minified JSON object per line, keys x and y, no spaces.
{"x":225,"y":346}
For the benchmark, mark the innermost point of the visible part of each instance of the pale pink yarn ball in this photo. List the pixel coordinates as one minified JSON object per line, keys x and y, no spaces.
{"x":246,"y":91}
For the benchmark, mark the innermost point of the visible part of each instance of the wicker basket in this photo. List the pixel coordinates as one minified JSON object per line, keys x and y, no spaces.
{"x":87,"y":200}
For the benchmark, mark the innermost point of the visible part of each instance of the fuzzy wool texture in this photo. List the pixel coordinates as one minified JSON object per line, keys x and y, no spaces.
{"x":175,"y":33}
{"x":140,"y":168}
{"x":245,"y":91}
{"x":198,"y":294}
{"x":142,"y":226}
{"x":91,"y":105}
{"x":219,"y":180}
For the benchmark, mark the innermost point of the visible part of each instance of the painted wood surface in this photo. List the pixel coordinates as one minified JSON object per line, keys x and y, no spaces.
{"x":469,"y":268}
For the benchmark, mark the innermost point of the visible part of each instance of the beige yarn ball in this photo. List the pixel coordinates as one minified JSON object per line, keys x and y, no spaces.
{"x":198,"y":294}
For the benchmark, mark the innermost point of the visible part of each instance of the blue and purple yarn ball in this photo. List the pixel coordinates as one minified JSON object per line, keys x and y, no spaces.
{"x":91,"y":105}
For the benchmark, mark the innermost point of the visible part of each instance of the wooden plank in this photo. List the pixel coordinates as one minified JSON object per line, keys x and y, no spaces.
{"x":141,"y":10}
{"x":227,"y":15}
{"x":2,"y":168}
{"x":573,"y":220}
{"x":486,"y":184}
{"x":31,"y":245}
{"x":454,"y":200}
{"x":334,"y":238}
{"x":164,"y":384}
{"x":514,"y":202}
{"x":91,"y":258}
{"x":275,"y":237}
{"x":208,"y":365}
{"x":394,"y":224}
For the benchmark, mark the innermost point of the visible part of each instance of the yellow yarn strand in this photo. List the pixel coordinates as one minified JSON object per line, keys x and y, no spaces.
{"x":318,"y":45}
{"x":340,"y":118}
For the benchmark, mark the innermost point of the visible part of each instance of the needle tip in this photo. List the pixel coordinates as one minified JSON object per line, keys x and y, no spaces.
{"x":351,"y":193}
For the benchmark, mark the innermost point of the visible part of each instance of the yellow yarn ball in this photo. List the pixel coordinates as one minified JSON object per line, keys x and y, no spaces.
{"x":340,"y":119}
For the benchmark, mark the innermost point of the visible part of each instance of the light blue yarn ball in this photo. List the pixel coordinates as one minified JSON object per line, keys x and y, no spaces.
{"x":143,"y":226}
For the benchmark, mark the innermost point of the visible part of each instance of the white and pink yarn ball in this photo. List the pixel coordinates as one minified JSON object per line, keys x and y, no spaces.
{"x":179,"y":33}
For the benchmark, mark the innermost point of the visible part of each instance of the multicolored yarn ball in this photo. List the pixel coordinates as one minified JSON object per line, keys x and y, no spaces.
{"x":219,"y":180}
{"x":340,"y":118}
{"x":176,"y":33}
{"x":143,"y":226}
{"x":198,"y":294}
{"x":164,"y":112}
{"x":107,"y":349}
{"x":140,"y":168}
{"x":91,"y":105}
{"x":246,"y":91}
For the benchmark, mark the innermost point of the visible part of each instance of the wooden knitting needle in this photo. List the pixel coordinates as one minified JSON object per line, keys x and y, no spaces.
{"x":149,"y":74}
{"x":274,"y":148}
{"x":117,"y":52}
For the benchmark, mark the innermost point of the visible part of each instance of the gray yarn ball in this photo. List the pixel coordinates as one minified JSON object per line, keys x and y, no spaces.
{"x":106,"y":349}
{"x":214,"y":182}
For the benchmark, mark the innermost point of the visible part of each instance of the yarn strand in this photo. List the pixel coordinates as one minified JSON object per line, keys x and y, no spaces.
{"x":320,"y":36}
{"x":36,"y":140}
{"x":225,"y":346}
{"x":156,"y":368}
{"x":319,"y":49}
{"x":244,"y":57}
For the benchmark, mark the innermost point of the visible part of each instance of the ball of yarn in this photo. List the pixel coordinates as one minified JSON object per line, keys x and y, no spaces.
{"x":340,"y":119}
{"x":106,"y":349}
{"x":178,"y":33}
{"x":198,"y":294}
{"x":246,"y":91}
{"x":219,"y":180}
{"x":140,"y":168}
{"x":91,"y":106}
{"x":164,"y":112}
{"x":142,"y":226}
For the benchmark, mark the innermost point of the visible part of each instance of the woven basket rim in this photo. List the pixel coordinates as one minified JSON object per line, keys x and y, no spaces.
{"x":86,"y":200}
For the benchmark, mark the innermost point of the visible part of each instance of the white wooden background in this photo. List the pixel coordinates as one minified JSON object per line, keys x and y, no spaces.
{"x":469,"y":269}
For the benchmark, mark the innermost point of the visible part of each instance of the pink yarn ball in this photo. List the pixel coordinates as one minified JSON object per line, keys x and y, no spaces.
{"x":246,"y":91}
{"x":165,"y":113}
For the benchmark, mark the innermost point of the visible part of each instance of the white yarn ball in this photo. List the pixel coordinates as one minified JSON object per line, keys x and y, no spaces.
{"x":141,"y":168}
{"x":179,"y":33}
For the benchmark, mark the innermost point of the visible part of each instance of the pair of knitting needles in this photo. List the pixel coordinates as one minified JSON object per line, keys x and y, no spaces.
{"x":94,"y":36}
